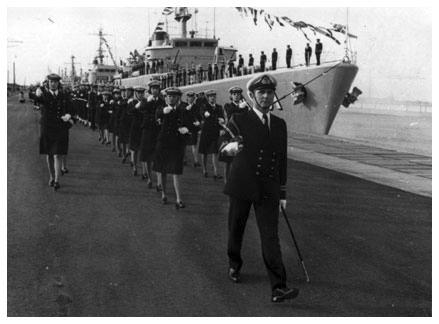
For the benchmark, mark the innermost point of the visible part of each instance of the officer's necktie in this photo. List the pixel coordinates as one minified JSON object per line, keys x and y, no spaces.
{"x":267,"y":128}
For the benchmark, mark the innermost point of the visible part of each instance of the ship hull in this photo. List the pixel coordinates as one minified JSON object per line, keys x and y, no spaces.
{"x":314,"y":115}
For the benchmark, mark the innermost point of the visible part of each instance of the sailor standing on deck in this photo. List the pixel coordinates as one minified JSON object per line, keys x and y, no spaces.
{"x":169,"y":153}
{"x":257,"y":178}
{"x":55,"y":106}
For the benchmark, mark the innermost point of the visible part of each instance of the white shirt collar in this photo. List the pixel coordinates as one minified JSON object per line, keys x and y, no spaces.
{"x":55,"y":93}
{"x":261,"y":116}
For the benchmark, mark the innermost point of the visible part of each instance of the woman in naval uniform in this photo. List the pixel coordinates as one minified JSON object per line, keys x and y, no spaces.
{"x":135,"y":130}
{"x":212,"y":115}
{"x":170,"y":146}
{"x":237,"y":105}
{"x":112,"y":121}
{"x":55,"y":106}
{"x":105,"y":113}
{"x":150,"y":129}
{"x":125,"y":121}
{"x":192,"y":115}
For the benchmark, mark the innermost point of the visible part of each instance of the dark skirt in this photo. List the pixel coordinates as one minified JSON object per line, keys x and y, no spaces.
{"x":148,"y":143}
{"x":54,"y":141}
{"x":208,"y":144}
{"x":112,"y":123}
{"x":135,"y":136}
{"x":192,"y":139}
{"x":168,"y":160}
{"x":124,"y":131}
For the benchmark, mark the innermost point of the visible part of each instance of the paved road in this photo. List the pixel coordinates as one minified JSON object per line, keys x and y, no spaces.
{"x":105,"y":246}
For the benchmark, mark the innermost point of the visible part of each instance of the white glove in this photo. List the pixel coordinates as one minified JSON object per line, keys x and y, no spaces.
{"x":196,"y":123}
{"x":150,"y":98}
{"x":71,"y":121}
{"x":221,"y":120}
{"x":242,"y":104}
{"x":283,"y":203}
{"x":38,"y":92}
{"x":137,"y":106}
{"x":118,"y":102}
{"x":183,"y":130}
{"x":102,"y":105}
{"x":222,"y":132}
{"x":167,"y":110}
{"x":111,"y":101}
{"x":188,"y":107}
{"x":232,"y":148}
{"x":130,"y":100}
{"x":206,"y":114}
{"x":66,"y":117}
{"x":110,"y":111}
{"x":87,"y":105}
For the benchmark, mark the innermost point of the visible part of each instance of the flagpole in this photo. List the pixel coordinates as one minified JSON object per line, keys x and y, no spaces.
{"x":214,"y":22}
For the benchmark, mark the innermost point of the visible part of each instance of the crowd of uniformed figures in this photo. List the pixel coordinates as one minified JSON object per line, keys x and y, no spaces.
{"x":155,"y":128}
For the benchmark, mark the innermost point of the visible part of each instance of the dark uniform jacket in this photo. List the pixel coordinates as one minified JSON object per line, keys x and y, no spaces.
{"x":231,"y":108}
{"x":319,"y":48}
{"x":52,"y":108}
{"x":169,"y":137}
{"x":259,"y":171}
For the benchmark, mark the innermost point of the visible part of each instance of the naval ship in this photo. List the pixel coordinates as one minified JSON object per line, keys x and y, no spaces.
{"x":310,"y":96}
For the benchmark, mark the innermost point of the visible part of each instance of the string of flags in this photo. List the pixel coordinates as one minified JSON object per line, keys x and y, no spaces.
{"x":271,"y":20}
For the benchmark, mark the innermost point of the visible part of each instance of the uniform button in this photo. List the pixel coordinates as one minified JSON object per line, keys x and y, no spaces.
{"x":260,"y":158}
{"x":273,"y":160}
{"x":257,"y":172}
{"x":259,"y":165}
{"x":274,"y":153}
{"x":261,"y":151}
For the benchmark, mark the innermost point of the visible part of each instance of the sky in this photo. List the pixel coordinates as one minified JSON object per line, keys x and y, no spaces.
{"x":394,"y":45}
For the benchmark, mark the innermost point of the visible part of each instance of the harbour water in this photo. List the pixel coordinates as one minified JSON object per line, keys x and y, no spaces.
{"x":405,"y":129}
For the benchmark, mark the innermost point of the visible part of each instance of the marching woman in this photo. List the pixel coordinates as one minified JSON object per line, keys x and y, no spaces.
{"x":237,"y":105}
{"x":212,"y":115}
{"x":193,"y":121}
{"x":125,"y":121}
{"x":112,"y":121}
{"x":55,"y":105}
{"x":135,"y":130}
{"x":105,"y":113}
{"x":118,"y":107}
{"x":150,"y":129}
{"x":170,"y":146}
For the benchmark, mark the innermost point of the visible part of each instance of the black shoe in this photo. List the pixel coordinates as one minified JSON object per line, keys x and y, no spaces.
{"x":113,"y":150}
{"x":280,"y":294}
{"x":56,"y":186}
{"x":119,"y":154}
{"x":158,"y":188}
{"x":164,"y":200}
{"x":144,"y":177}
{"x":107,"y":143}
{"x":205,"y":174}
{"x":149,"y":184}
{"x":196,"y":165}
{"x":51,"y":183}
{"x":124,"y":159}
{"x":179,"y":205}
{"x":135,"y":172}
{"x":234,"y":275}
{"x":217,"y":177}
{"x":64,"y":171}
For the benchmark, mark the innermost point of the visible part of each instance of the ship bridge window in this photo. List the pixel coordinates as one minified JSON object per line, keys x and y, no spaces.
{"x":209,"y":44}
{"x":180,"y":44}
{"x":195,"y":44}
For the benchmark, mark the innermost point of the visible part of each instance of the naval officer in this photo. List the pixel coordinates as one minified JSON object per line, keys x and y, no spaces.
{"x":257,"y":178}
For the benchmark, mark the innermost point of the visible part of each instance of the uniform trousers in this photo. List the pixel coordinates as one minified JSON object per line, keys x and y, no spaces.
{"x":267,"y":218}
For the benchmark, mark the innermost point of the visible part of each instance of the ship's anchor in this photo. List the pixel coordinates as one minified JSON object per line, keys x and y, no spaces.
{"x":299,"y":90}
{"x":350,"y":98}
